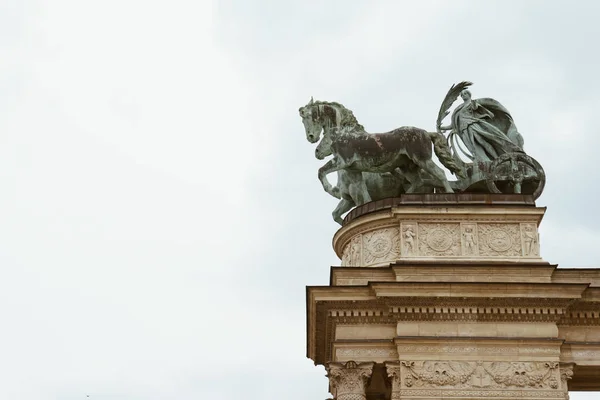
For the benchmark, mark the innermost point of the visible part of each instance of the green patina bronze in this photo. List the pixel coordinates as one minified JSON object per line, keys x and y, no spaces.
{"x":484,"y":151}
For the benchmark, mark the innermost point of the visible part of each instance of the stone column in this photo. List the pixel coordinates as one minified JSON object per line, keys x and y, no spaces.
{"x":348,"y":381}
{"x":566,"y":373}
{"x":393,"y":372}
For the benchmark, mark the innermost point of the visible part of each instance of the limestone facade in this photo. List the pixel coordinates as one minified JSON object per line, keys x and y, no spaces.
{"x":453,"y":302}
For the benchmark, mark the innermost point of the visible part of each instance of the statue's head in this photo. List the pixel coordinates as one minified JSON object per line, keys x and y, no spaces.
{"x":465,"y":94}
{"x":312,"y":121}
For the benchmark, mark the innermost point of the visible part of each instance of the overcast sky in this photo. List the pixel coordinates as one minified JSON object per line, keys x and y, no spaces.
{"x":160,"y":213}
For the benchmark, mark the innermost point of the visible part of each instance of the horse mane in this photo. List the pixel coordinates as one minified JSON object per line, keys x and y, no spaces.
{"x":347,"y":118}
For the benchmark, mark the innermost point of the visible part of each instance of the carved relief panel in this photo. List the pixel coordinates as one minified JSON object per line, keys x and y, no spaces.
{"x":353,"y":252}
{"x":480,"y":374}
{"x":477,"y":379}
{"x":382,"y":245}
{"x":499,"y":240}
{"x":409,"y":239}
{"x":379,"y":246}
{"x":469,"y":240}
{"x":439,"y":240}
{"x":530,"y":240}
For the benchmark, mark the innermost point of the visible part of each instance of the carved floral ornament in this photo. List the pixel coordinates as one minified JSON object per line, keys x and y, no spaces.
{"x":349,"y":380}
{"x":480,"y":374}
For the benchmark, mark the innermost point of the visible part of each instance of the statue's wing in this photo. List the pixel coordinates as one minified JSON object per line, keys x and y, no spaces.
{"x":451,"y":96}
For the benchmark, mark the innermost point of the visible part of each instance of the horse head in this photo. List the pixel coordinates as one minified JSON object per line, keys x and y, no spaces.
{"x":317,"y":117}
{"x":324,"y":147}
{"x":313,"y":123}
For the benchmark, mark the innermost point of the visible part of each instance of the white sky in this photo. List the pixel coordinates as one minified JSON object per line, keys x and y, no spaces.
{"x":160,"y":213}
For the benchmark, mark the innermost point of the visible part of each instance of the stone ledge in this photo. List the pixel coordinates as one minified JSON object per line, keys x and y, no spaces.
{"x":469,"y":199}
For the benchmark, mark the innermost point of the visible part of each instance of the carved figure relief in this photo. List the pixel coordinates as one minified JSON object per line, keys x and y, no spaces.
{"x":348,"y":381}
{"x":479,"y":374}
{"x":353,"y":253}
{"x":439,"y":240}
{"x":530,"y":239}
{"x":381,"y":245}
{"x":469,"y":240}
{"x":499,"y":240}
{"x":409,"y":239}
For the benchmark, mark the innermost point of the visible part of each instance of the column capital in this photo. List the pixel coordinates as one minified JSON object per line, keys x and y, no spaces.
{"x":566,"y":373}
{"x":348,"y":381}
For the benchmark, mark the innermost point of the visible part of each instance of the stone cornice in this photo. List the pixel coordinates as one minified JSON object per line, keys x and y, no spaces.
{"x":325,"y":315}
{"x":375,"y":290}
{"x":577,"y":275}
{"x":478,"y":289}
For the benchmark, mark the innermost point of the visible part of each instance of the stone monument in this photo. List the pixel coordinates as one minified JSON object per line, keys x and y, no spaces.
{"x":442,"y":292}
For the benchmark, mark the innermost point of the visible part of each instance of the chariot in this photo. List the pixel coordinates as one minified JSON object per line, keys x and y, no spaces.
{"x":513,"y":172}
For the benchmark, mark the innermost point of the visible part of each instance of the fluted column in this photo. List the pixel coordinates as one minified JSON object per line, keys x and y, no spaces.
{"x":348,"y":381}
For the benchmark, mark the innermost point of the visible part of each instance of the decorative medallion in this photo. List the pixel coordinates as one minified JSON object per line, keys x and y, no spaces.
{"x":439,"y":239}
{"x":499,"y":240}
{"x":380,"y":245}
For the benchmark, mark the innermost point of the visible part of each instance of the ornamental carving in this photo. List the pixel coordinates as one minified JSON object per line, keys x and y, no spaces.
{"x":353,"y":252}
{"x":466,"y":349}
{"x":409,"y":240}
{"x":588,"y":354}
{"x":566,"y":374}
{"x":469,"y":240}
{"x":488,"y":375}
{"x":348,"y":380}
{"x":439,"y":240}
{"x":478,"y":394}
{"x":366,"y":353}
{"x":530,"y":239}
{"x":502,"y":240}
{"x":381,"y":245}
{"x":393,"y":370}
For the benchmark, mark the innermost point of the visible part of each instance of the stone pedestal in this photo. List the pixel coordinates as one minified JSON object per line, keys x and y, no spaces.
{"x":447,"y":297}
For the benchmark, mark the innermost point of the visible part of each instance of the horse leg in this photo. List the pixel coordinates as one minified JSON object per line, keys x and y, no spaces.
{"x":358,"y":188}
{"x":329,"y":167}
{"x":342,"y":207}
{"x":346,"y":204}
{"x":429,"y":166}
{"x":414,"y":180}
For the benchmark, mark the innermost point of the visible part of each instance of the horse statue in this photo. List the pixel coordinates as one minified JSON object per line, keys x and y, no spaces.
{"x":404,"y":152}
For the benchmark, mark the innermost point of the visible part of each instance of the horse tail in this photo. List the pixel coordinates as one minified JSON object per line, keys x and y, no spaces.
{"x":442,"y":151}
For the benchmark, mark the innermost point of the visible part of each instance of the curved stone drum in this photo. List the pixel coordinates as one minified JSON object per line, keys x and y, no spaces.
{"x":438,"y":232}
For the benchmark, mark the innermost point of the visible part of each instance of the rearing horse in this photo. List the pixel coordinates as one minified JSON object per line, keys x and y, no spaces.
{"x":355,"y":151}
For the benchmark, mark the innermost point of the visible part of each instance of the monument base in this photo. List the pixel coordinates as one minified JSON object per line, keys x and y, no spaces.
{"x":447,"y":297}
